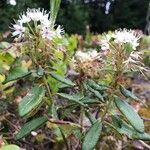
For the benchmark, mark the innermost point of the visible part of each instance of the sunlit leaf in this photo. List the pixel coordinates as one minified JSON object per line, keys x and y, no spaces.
{"x":96,"y":93}
{"x":92,"y":136}
{"x":10,"y":147}
{"x":54,"y":7}
{"x":90,"y":116}
{"x":31,"y":101}
{"x":16,"y":73}
{"x":2,"y":78}
{"x":127,"y":93}
{"x":30,"y":126}
{"x":123,"y":128}
{"x":62,"y":79}
{"x":130,"y":114}
{"x":72,"y":98}
{"x":96,"y":86}
{"x":4,"y":45}
{"x":87,"y":100}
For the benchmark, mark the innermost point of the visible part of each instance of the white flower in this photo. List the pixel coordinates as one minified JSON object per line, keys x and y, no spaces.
{"x":59,"y":31}
{"x":127,"y":36}
{"x":104,"y":42}
{"x":24,"y":19}
{"x":47,"y":33}
{"x":136,"y":55}
{"x":36,"y":21}
{"x":93,"y":54}
{"x":104,"y":45}
{"x":81,"y":55}
{"x":45,"y":20}
{"x":18,"y":30}
{"x":87,"y":56}
{"x":37,"y":15}
{"x":134,"y":62}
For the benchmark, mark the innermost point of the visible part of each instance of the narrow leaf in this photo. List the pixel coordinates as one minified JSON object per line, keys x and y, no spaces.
{"x":127,"y":93}
{"x":90,"y":116}
{"x":141,"y":136}
{"x":74,"y":98}
{"x":62,"y":79}
{"x":92,"y":136}
{"x":54,"y":8}
{"x":96,"y":93}
{"x":96,"y":86}
{"x":30,"y":126}
{"x":31,"y":101}
{"x":123,"y":128}
{"x":130,"y":114}
{"x":87,"y":100}
{"x":16,"y":73}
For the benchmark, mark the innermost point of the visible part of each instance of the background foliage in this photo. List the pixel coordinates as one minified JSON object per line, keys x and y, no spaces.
{"x":76,"y":14}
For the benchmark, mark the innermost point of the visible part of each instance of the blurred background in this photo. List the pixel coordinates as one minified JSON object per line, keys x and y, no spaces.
{"x":76,"y":15}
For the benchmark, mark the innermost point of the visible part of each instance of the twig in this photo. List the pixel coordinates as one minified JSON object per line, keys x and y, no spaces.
{"x":60,"y":122}
{"x":146,"y":119}
{"x":11,"y":124}
{"x":144,"y":144}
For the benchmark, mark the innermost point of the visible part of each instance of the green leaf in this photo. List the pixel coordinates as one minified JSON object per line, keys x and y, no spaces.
{"x":30,"y":126}
{"x":87,"y":100}
{"x":123,"y":128}
{"x":62,"y":79}
{"x":96,"y":93}
{"x":31,"y":101}
{"x":92,"y":136}
{"x":40,"y":71}
{"x":10,"y":147}
{"x":52,"y":111}
{"x":54,"y":8}
{"x":127,"y":93}
{"x":91,"y":118}
{"x":96,"y":86}
{"x":16,"y":73}
{"x":6,"y":58}
{"x":73,"y":98}
{"x":141,"y":136}
{"x":4,"y":45}
{"x":62,"y":86}
{"x":130,"y":114}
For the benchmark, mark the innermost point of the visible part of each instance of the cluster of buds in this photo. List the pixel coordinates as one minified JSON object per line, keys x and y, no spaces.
{"x":88,"y":63}
{"x":36,"y":22}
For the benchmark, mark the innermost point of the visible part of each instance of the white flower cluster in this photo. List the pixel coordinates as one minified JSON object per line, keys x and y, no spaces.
{"x":127,"y":36}
{"x":87,"y":62}
{"x":87,"y":56}
{"x":40,"y":19}
{"x":121,"y":36}
{"x":134,"y":62}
